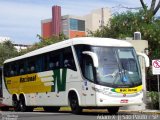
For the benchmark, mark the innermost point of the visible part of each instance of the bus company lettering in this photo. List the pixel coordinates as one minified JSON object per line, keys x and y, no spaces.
{"x":28,"y":79}
{"x":127,"y":90}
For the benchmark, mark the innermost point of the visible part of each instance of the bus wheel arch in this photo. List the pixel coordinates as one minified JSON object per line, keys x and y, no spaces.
{"x":15,"y":97}
{"x":74,"y":102}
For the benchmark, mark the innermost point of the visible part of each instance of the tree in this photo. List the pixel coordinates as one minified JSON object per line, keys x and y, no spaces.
{"x":125,"y":24}
{"x":7,"y":50}
{"x":150,"y":12}
{"x":44,"y":42}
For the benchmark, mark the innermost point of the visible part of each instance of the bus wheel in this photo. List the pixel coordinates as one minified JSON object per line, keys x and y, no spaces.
{"x":73,"y":99}
{"x":51,"y":109}
{"x":113,"y":110}
{"x":15,"y":104}
{"x":23,"y":107}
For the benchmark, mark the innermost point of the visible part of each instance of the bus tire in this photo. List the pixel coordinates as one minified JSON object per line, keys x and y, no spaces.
{"x":23,"y":107}
{"x":15,"y":103}
{"x":74,"y":104}
{"x":51,"y":109}
{"x":113,"y":110}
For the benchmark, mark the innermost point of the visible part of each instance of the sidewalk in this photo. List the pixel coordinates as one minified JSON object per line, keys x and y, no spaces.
{"x":147,"y":111}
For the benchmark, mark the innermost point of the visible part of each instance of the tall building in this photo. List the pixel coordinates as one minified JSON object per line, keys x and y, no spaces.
{"x":74,"y":26}
{"x":50,"y":27}
{"x":56,"y":20}
{"x":97,"y":19}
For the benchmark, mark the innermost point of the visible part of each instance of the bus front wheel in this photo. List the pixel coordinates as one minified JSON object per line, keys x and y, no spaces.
{"x":73,"y":99}
{"x":113,"y":110}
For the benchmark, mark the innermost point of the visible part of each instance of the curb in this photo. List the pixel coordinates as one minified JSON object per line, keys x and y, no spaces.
{"x":142,"y":111}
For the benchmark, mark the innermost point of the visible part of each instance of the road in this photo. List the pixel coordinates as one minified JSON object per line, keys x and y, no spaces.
{"x":69,"y":116}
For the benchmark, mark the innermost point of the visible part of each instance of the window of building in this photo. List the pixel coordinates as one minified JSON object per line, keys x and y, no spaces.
{"x":73,"y":24}
{"x":81,"y":25}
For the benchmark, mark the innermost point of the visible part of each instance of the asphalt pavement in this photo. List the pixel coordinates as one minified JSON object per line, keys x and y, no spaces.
{"x":64,"y":115}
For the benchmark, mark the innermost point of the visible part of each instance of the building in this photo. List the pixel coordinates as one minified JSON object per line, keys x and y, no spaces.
{"x":97,"y":19}
{"x":20,"y":47}
{"x":52,"y":26}
{"x":74,"y":26}
{"x":56,"y":20}
{"x":46,"y":28}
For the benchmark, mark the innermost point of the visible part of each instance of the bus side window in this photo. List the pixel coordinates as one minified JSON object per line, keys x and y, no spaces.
{"x":68,"y":60}
{"x":21,"y":69}
{"x":12,"y":73}
{"x":31,"y":65}
{"x":39,"y":63}
{"x":54,"y":60}
{"x":51,"y":65}
{"x":13,"y":69}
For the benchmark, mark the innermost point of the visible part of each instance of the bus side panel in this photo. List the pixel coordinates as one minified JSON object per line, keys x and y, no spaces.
{"x":58,"y":97}
{"x":7,"y":97}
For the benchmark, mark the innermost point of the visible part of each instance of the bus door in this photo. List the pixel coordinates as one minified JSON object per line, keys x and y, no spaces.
{"x":88,"y":73}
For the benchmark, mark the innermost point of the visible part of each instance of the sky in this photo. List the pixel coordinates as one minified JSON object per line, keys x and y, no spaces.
{"x":21,"y":19}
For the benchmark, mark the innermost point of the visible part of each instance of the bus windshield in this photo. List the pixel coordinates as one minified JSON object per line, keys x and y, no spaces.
{"x":117,"y":66}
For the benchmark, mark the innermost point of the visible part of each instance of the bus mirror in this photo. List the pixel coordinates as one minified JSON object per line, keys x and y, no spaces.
{"x":93,"y":56}
{"x":145,"y":57}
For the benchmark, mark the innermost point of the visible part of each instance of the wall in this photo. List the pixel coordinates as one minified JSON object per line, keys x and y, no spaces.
{"x":95,"y":18}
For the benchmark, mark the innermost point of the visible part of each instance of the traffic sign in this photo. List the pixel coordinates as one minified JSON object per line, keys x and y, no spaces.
{"x":156,"y":67}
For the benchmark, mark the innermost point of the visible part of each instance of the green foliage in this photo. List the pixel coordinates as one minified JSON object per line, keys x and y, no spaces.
{"x":154,"y":99}
{"x":7,"y":51}
{"x":125,"y":24}
{"x":44,"y":42}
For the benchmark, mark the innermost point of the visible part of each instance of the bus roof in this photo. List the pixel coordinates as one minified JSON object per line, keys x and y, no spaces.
{"x":75,"y":41}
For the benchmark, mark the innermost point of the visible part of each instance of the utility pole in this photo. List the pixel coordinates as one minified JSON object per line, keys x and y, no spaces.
{"x":102,"y":19}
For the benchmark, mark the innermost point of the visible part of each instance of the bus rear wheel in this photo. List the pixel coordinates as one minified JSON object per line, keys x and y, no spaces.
{"x":23,"y":107}
{"x":113,"y":110}
{"x":15,"y":104}
{"x":51,"y":109}
{"x":73,"y":99}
